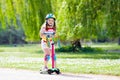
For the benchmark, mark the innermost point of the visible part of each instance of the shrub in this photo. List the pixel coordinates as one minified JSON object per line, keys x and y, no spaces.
{"x":83,"y":49}
{"x":65,"y":49}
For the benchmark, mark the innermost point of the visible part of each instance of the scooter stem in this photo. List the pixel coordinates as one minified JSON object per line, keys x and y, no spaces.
{"x":53,"y":53}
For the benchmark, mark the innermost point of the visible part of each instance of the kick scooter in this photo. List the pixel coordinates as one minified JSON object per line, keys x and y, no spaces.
{"x":53,"y":69}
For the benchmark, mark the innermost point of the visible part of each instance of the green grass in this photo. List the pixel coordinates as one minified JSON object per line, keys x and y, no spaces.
{"x":31,"y":57}
{"x":107,"y":46}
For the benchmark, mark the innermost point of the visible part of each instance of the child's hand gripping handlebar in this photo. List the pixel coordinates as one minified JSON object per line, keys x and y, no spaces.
{"x":49,"y":34}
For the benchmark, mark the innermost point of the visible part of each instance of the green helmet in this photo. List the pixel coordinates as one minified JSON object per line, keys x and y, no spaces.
{"x":50,"y":16}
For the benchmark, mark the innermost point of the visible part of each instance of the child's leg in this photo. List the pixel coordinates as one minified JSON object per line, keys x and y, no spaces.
{"x":46,"y":51}
{"x":46,"y":56}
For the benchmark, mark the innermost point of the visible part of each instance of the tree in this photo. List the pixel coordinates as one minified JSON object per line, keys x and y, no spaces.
{"x":68,"y":23}
{"x":82,"y":19}
{"x":30,"y":13}
{"x":32,"y":17}
{"x":76,"y":19}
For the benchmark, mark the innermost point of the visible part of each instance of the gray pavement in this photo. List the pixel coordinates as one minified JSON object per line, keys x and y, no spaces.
{"x":16,"y":74}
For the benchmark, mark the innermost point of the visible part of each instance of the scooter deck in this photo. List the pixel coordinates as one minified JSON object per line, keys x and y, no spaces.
{"x":50,"y":71}
{"x":43,"y":72}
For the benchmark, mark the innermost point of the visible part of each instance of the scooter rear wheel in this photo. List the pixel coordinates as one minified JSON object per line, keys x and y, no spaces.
{"x":50,"y":71}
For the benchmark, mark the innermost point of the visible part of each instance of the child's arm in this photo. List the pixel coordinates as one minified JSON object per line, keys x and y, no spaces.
{"x":42,"y":30}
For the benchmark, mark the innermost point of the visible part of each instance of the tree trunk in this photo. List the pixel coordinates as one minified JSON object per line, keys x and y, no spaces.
{"x":76,"y":44}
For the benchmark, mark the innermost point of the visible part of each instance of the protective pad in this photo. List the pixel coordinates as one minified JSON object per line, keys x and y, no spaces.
{"x":55,"y":57}
{"x":47,"y":57}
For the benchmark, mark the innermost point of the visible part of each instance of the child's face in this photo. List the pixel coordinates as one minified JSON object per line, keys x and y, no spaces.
{"x":50,"y":21}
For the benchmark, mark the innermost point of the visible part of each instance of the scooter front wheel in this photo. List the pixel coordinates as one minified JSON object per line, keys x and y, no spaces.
{"x":57,"y":71}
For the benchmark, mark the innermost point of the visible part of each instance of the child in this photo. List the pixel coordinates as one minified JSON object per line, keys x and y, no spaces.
{"x":49,"y":25}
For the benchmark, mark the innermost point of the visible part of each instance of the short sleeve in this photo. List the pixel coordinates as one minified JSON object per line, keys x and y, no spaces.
{"x":42,"y":30}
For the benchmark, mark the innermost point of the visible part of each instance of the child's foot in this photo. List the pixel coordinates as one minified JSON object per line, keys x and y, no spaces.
{"x":45,"y":68}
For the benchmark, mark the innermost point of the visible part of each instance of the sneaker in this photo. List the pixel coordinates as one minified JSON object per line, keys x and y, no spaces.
{"x":45,"y":68}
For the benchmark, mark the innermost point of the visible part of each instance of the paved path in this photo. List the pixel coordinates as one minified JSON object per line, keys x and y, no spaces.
{"x":15,"y":74}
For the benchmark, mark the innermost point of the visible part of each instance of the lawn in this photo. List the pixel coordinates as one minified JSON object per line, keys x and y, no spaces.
{"x":31,"y":57}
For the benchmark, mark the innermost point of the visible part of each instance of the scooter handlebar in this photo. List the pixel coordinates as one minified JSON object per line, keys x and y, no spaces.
{"x":49,"y":34}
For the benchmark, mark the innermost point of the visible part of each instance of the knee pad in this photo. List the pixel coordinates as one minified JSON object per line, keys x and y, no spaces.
{"x":47,"y":57}
{"x":55,"y":57}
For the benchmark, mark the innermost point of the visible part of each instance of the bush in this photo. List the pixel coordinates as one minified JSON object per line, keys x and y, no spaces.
{"x":90,"y":49}
{"x":65,"y":49}
{"x":12,"y":36}
{"x":72,"y":49}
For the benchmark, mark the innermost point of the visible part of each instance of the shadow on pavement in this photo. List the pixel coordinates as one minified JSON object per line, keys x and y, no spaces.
{"x":75,"y":76}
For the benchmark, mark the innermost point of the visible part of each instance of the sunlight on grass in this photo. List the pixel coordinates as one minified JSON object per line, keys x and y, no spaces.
{"x":107,"y":46}
{"x":95,"y":66}
{"x":31,"y":57}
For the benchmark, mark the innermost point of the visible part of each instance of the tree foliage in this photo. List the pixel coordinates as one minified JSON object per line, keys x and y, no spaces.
{"x":76,"y":19}
{"x":30,"y":14}
{"x":81,"y":19}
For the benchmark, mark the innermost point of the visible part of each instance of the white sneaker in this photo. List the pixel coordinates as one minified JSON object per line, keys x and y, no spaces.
{"x":44,"y":68}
